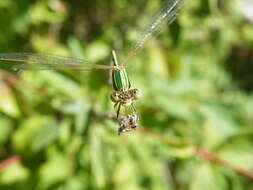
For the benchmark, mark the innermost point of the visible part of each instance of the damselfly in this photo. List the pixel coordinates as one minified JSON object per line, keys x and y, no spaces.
{"x":123,"y":95}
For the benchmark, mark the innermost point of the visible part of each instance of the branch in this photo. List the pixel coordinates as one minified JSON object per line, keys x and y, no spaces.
{"x":5,"y":163}
{"x":216,"y":160}
{"x":206,"y":155}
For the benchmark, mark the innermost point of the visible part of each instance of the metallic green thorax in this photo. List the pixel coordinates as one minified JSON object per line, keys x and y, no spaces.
{"x":119,"y":77}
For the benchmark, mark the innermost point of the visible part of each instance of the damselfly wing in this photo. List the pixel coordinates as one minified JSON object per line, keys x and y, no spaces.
{"x":123,"y":95}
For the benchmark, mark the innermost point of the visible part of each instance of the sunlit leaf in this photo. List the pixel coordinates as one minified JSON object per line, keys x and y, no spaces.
{"x":14,"y":173}
{"x":8,"y":103}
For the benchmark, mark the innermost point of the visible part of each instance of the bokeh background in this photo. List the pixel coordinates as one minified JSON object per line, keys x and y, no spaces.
{"x":196,"y":111}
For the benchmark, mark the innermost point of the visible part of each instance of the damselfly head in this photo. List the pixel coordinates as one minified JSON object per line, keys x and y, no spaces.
{"x":123,"y":96}
{"x":115,"y":96}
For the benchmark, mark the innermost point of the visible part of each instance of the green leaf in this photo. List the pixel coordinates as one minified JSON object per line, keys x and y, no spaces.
{"x":238,"y":152}
{"x":8,"y":103}
{"x":96,"y":154}
{"x":6,"y":128}
{"x":46,"y":134}
{"x":55,"y":170}
{"x":35,"y":133}
{"x":208,"y":178}
{"x":14,"y":173}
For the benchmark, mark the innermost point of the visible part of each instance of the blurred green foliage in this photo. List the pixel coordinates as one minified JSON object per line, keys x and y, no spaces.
{"x":196,"y":80}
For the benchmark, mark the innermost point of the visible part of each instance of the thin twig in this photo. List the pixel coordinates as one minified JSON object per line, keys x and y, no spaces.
{"x":206,"y":155}
{"x":216,"y":160}
{"x":13,"y":80}
{"x":5,"y":163}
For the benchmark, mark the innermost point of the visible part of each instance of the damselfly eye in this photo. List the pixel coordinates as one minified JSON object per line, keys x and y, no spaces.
{"x":136,"y":94}
{"x":115,"y":97}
